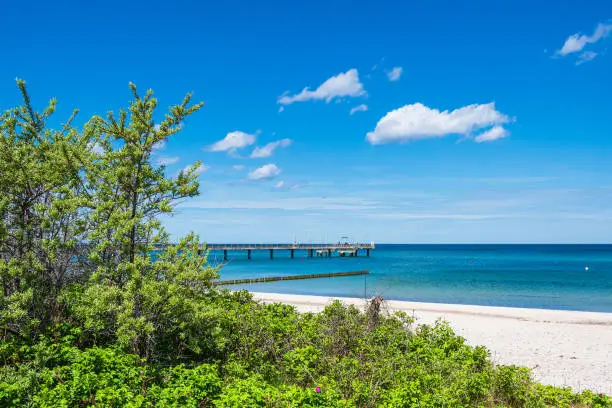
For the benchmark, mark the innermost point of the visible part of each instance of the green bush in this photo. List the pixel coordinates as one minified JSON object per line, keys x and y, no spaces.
{"x":512,"y":385}
{"x":183,"y":387}
{"x":95,"y":376}
{"x":276,"y":357}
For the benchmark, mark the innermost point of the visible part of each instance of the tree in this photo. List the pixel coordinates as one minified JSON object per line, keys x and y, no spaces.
{"x":132,"y":286}
{"x":127,"y":190}
{"x":40,"y":220}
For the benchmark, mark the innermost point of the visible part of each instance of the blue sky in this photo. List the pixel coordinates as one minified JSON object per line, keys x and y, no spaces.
{"x":486,"y":121}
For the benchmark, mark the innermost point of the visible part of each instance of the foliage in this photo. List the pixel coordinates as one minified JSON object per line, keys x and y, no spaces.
{"x":287,"y":360}
{"x":94,"y":312}
{"x":40,"y":215}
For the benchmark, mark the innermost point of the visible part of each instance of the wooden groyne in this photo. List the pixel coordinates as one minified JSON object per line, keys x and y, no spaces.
{"x":290,"y":277}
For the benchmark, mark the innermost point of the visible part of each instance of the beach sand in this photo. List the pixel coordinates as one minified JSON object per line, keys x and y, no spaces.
{"x":564,"y":348}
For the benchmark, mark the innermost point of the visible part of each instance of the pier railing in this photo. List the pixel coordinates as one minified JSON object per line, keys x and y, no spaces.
{"x":343,"y":249}
{"x":244,"y":247}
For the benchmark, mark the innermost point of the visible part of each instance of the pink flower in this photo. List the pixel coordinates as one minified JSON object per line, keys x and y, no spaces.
{"x":318,"y":389}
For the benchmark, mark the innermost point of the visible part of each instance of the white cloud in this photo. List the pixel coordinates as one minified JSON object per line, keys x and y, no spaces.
{"x":161,"y":145}
{"x":268,"y":149}
{"x":238,"y":167}
{"x":496,"y":132}
{"x":96,"y":148}
{"x":375,"y":67}
{"x":289,"y":204}
{"x":435,"y":216}
{"x":164,"y":161}
{"x":264,"y":172}
{"x":281,"y":185}
{"x":282,"y":108}
{"x":417,"y":121}
{"x":577,"y":42}
{"x":199,"y":170}
{"x":157,"y":127}
{"x":344,"y":84}
{"x":360,"y":108}
{"x":232,"y":141}
{"x":586,"y":57}
{"x":395,"y":73}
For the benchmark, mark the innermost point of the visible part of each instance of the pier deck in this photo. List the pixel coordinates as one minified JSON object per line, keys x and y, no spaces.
{"x":244,"y":247}
{"x":350,"y":249}
{"x":327,"y":250}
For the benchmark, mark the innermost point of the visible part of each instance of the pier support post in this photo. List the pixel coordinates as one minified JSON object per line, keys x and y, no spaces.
{"x":356,"y":251}
{"x":271,"y":254}
{"x":329,"y":253}
{"x":225,"y":254}
{"x":248,"y":254}
{"x":368,"y":252}
{"x":292,"y":253}
{"x":310,"y":253}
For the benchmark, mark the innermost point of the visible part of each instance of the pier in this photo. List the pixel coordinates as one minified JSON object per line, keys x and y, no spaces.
{"x":312,"y":250}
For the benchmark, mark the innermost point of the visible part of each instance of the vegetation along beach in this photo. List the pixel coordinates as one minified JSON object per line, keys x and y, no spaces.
{"x":397,"y":204}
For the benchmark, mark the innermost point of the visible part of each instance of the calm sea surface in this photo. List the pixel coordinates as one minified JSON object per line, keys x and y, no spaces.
{"x":533,"y":276}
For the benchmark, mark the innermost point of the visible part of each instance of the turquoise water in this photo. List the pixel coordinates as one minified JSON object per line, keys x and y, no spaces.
{"x":533,"y":276}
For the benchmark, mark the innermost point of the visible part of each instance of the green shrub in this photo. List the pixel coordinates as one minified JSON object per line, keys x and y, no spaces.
{"x":301,"y":363}
{"x":95,"y":376}
{"x":512,"y":385}
{"x":183,"y":387}
{"x":247,"y":392}
{"x":275,"y":357}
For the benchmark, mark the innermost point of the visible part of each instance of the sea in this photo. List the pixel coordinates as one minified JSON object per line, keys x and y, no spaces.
{"x":563,"y":277}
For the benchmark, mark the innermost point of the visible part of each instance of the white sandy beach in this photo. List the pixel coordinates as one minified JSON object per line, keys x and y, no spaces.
{"x":564,"y":348}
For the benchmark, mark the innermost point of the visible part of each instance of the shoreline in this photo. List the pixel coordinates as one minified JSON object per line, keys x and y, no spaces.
{"x":562,"y":347}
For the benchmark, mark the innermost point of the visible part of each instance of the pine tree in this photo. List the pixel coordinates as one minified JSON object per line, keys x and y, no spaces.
{"x":130,"y":291}
{"x":40,"y":219}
